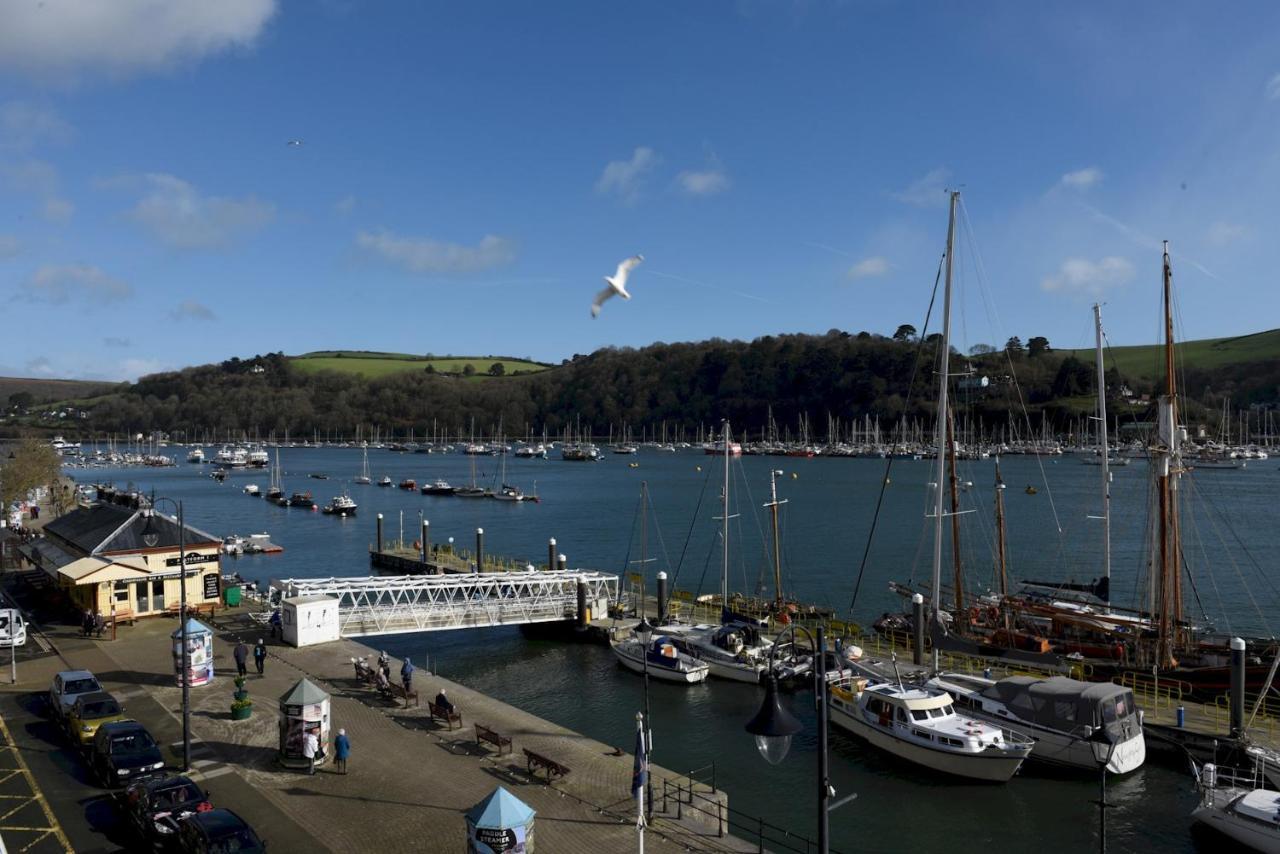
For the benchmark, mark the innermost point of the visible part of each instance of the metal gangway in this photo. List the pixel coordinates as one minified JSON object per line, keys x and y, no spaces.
{"x":380,"y":605}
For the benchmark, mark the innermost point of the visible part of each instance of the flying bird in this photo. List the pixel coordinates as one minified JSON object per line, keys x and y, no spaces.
{"x":617,"y":283}
{"x":294,"y":142}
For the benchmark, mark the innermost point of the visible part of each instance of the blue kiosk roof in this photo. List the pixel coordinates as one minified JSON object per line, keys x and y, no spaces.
{"x":500,"y":809}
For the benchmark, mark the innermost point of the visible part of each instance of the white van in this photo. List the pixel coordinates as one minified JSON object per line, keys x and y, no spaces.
{"x":13,"y":629}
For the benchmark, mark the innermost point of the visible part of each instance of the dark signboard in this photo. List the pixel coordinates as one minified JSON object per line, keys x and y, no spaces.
{"x":212,"y":582}
{"x":192,"y":558}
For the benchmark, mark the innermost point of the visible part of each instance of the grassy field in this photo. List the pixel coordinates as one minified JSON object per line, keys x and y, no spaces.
{"x":1147,"y":362}
{"x":60,"y":390}
{"x":374,"y":365}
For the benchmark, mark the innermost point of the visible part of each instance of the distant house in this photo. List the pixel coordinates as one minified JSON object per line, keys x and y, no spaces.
{"x":100,"y":557}
{"x":257,"y":369}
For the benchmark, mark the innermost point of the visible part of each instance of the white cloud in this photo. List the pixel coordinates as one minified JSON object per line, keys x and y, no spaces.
{"x":40,"y":367}
{"x":177,"y":214}
{"x":1092,"y":278}
{"x":131,"y":369}
{"x":1082,"y":179}
{"x":58,"y":210}
{"x":61,"y":41}
{"x":345,"y":205}
{"x":62,"y":284}
{"x":425,"y":255}
{"x":704,"y":183}
{"x":928,"y":191}
{"x":24,"y":126}
{"x":192,"y":310}
{"x":875,"y":265}
{"x":1273,"y":88}
{"x":10,"y":246}
{"x":1225,"y":233}
{"x":624,"y":177}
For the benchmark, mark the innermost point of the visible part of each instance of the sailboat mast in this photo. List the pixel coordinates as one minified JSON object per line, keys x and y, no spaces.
{"x":724,"y":530}
{"x":953,"y":488}
{"x":1169,"y":462}
{"x":944,"y":366}
{"x":1001,"y":553}
{"x":773,"y":505}
{"x":1104,"y":442}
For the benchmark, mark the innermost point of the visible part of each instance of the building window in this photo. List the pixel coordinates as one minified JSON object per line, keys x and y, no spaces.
{"x":122,"y":592}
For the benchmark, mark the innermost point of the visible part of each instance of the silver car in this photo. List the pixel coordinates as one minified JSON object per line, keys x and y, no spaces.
{"x":67,"y":686}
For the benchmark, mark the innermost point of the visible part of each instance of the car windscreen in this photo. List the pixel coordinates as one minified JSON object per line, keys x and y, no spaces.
{"x":100,"y":709}
{"x":81,"y":686}
{"x":230,"y":841}
{"x":131,"y":742}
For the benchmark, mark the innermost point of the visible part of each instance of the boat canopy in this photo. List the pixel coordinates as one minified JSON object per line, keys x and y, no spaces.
{"x":1061,"y":703}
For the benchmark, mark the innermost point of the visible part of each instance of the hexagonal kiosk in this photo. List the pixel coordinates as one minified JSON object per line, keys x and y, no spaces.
{"x":200,"y":648}
{"x":304,"y":708}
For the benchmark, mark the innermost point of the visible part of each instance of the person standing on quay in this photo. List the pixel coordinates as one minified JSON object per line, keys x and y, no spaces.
{"x":260,"y":656}
{"x":341,"y":750}
{"x":406,"y":674}
{"x":310,"y":747}
{"x":241,"y":652}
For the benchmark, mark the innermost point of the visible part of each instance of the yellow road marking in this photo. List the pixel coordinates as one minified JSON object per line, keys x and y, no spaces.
{"x":37,"y":795}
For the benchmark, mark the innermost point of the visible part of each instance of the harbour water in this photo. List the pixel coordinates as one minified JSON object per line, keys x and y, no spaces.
{"x":592,"y":509}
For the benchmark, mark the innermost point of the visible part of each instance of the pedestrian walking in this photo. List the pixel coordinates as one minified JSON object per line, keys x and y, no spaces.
{"x":341,"y":749}
{"x":310,"y":749}
{"x":276,"y":624}
{"x":241,"y":652}
{"x":99,"y":624}
{"x":406,"y":674}
{"x":260,"y":656}
{"x":86,"y":623}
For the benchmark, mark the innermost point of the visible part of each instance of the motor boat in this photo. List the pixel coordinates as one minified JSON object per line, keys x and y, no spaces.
{"x":232,"y":545}
{"x":920,"y":724}
{"x":1061,"y":714}
{"x":731,"y":651}
{"x":196,"y":455}
{"x":385,"y":481}
{"x":438,"y":487}
{"x":301,"y":499}
{"x":252,"y":489}
{"x":341,"y":505}
{"x":662,"y":659}
{"x":409,"y":484}
{"x":1239,"y":808}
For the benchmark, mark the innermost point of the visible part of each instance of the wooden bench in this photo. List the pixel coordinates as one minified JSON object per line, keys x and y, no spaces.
{"x":537,"y":760}
{"x":449,"y":718}
{"x":483,"y":733}
{"x":122,"y":615}
{"x":209,"y":608}
{"x":398,"y":692}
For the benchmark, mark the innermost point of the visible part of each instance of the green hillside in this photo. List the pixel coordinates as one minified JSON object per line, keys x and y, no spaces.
{"x":43,"y":391}
{"x":373,"y":365}
{"x":1147,"y":362}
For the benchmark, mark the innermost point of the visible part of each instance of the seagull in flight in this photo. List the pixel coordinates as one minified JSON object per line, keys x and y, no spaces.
{"x":617,"y":283}
{"x":294,"y":143}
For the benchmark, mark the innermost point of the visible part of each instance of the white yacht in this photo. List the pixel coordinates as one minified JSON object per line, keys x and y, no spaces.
{"x":731,"y":651}
{"x":257,"y":457}
{"x":230,"y":457}
{"x":665,"y":660}
{"x":196,"y":455}
{"x":920,"y":724}
{"x":252,"y":490}
{"x":1060,"y":714}
{"x":341,"y":505}
{"x":1239,"y":809}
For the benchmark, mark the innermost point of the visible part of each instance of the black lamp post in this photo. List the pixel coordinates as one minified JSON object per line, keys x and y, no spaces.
{"x":773,"y":726}
{"x":644,"y":633}
{"x":151,"y":537}
{"x":1100,"y":736}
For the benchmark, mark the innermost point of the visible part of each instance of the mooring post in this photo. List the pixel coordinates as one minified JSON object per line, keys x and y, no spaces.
{"x":583,"y":616}
{"x":562,"y":563}
{"x":551,"y":554}
{"x":917,"y":626}
{"x":426,"y":540}
{"x":1237,"y":687}
{"x":479,"y":549}
{"x":379,"y":532}
{"x":662,"y":598}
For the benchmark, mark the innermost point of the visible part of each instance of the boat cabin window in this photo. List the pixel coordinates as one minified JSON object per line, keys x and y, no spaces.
{"x":920,"y":714}
{"x":1117,"y":707}
{"x":937,"y":713}
{"x":948,"y":709}
{"x":1064,"y":710}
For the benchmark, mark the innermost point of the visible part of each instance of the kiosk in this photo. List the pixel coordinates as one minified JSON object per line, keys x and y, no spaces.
{"x":200,"y":649}
{"x":309,"y":620}
{"x":500,"y":824}
{"x":304,"y":708}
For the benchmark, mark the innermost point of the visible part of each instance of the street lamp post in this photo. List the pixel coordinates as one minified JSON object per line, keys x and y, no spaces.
{"x":1101,"y":736}
{"x":773,"y":726}
{"x":644,"y":632}
{"x":151,"y":537}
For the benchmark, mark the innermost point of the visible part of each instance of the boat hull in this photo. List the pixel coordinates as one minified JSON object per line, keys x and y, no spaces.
{"x":636,"y":665}
{"x":988,"y":766}
{"x":1253,"y":835}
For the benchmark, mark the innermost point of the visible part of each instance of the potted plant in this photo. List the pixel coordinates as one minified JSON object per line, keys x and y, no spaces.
{"x":241,"y":709}
{"x":242,"y":693}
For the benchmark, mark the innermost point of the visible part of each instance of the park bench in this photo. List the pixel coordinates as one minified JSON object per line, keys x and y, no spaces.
{"x":483,"y":733}
{"x":448,"y":717}
{"x":121,"y":615}
{"x":399,"y":692}
{"x":537,"y":760}
{"x":209,"y":608}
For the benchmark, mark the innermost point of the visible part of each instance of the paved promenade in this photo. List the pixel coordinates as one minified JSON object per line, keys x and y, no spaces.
{"x":409,"y":783}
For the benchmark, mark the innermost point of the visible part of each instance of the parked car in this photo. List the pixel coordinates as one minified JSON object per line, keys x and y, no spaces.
{"x":157,"y":806}
{"x":123,"y":751}
{"x":89,"y":712}
{"x":216,"y":831}
{"x":68,"y":685}
{"x":13,"y":628}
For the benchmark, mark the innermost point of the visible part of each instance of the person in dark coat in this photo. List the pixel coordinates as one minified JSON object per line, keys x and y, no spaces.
{"x":260,"y":656}
{"x":241,"y":653}
{"x":276,"y":623}
{"x":86,"y":623}
{"x":99,"y":624}
{"x":406,"y":674}
{"x":341,"y":750}
{"x":445,"y":703}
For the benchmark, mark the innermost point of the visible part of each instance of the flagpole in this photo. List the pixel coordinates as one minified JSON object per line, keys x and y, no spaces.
{"x":640,"y":778}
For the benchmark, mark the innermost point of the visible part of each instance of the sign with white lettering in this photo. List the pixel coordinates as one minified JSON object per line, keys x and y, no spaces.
{"x":192,"y":558}
{"x":212,"y":583}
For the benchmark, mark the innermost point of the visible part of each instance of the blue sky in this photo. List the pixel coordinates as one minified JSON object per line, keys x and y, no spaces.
{"x":469,"y":171}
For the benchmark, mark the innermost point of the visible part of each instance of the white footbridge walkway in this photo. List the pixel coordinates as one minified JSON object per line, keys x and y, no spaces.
{"x":383,"y":605}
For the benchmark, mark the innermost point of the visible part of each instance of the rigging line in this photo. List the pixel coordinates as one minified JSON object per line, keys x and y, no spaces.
{"x":1231,"y":560}
{"x":711,"y":550}
{"x":657,"y":529}
{"x":888,"y":466}
{"x":755,"y":515}
{"x":693,"y":520}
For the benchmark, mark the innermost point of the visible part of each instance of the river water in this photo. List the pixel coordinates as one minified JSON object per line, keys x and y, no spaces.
{"x":592,"y":510}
